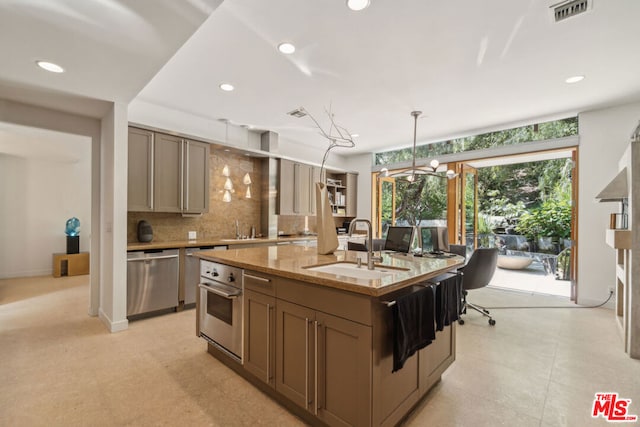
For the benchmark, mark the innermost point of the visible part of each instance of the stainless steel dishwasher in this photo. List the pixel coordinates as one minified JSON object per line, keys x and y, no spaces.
{"x":152,"y":280}
{"x":192,"y":273}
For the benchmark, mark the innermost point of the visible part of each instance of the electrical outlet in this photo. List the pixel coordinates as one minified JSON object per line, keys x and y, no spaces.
{"x":192,"y":235}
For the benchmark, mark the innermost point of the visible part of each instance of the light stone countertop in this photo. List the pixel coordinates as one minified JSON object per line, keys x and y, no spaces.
{"x":174,"y":244}
{"x":289,"y":261}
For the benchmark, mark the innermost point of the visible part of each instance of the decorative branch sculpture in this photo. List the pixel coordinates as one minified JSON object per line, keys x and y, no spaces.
{"x":338,"y":136}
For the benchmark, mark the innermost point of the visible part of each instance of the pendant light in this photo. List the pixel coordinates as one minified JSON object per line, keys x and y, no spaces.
{"x":411,"y":173}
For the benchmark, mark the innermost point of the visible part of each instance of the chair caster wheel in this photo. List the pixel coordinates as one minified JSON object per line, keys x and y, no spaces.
{"x":492,"y":322}
{"x":460,"y":322}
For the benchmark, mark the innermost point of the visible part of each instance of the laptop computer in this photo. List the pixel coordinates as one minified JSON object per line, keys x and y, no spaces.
{"x":399,"y":239}
{"x":434,"y":241}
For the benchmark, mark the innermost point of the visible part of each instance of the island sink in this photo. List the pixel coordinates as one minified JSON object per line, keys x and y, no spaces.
{"x":350,"y":269}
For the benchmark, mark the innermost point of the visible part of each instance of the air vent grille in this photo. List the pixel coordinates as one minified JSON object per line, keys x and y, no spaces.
{"x":298,"y":112}
{"x":572,"y":8}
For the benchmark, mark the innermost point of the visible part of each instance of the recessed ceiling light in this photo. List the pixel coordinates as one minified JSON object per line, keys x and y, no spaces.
{"x":286,"y":48}
{"x":355,"y":135}
{"x":358,"y":5}
{"x":227,"y":87}
{"x":574,"y":79}
{"x":50,"y":66}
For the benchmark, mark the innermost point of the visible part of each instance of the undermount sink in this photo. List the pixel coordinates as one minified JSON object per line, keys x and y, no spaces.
{"x":350,"y":269}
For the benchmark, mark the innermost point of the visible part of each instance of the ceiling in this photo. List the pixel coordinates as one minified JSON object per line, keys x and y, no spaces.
{"x":469,"y":66}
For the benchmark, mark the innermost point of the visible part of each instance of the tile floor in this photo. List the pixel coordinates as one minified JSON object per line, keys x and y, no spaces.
{"x":60,"y":367}
{"x":531,"y":279}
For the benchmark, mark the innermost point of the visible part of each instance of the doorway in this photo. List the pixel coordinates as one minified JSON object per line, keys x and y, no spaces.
{"x":526,"y":206}
{"x":42,"y":171}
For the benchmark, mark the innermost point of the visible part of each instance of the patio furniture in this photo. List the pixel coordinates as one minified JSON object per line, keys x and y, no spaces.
{"x":511,"y":262}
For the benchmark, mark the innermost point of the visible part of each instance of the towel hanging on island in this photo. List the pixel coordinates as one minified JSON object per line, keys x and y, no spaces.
{"x":448,"y":299}
{"x":413,"y":324}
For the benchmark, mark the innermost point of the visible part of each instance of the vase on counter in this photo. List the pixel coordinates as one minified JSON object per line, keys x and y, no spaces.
{"x":327,"y":235}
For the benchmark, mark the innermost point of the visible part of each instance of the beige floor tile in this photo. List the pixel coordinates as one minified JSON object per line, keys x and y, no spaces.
{"x":449,"y":405}
{"x":61,"y":367}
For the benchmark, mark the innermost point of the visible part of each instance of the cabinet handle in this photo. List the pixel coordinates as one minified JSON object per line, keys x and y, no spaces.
{"x":306,"y":362}
{"x":187,"y":169}
{"x":260,"y":279}
{"x":296,"y":188}
{"x":315,"y":375}
{"x":182,"y":174}
{"x":152,"y":165}
{"x":269,"y":343}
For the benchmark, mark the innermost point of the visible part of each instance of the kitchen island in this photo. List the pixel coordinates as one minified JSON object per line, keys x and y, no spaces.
{"x":317,"y":332}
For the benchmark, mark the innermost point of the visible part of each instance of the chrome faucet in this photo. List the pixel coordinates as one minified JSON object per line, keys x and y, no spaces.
{"x":370,"y":258}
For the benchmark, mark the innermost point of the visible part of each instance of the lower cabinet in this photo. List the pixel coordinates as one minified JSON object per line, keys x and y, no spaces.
{"x":294,"y":353}
{"x":259,"y":342}
{"x":343,"y":380}
{"x":335,"y":367}
{"x":323,"y":364}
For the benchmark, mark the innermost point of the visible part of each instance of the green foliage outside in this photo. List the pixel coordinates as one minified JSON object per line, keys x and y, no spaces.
{"x":535,"y":196}
{"x":552,"y":219}
{"x":520,"y":135}
{"x":426,"y":198}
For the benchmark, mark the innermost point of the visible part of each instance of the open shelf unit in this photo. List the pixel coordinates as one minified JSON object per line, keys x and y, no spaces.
{"x":342,"y":189}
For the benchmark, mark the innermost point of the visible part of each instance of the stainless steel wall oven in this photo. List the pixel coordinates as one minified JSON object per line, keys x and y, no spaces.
{"x":220,"y":307}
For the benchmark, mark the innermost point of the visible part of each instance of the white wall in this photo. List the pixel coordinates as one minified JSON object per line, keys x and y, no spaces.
{"x":46,"y":179}
{"x":604,"y":137}
{"x":164,"y":118}
{"x":362,"y":164}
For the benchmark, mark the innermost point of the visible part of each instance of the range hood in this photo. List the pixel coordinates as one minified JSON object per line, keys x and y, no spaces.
{"x":616,"y":190}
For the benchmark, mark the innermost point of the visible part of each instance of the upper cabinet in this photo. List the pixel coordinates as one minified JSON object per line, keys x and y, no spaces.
{"x":297,"y":195}
{"x":167,"y":173}
{"x":296,"y":188}
{"x":140,"y":171}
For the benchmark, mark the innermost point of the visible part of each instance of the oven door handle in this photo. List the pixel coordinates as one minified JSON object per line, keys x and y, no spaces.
{"x":220,"y":292}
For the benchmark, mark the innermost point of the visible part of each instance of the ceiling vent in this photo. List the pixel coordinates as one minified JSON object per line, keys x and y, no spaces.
{"x":298,"y":112}
{"x":564,"y":10}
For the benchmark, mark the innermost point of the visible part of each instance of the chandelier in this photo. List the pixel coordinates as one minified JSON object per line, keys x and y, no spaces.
{"x":414,"y":171}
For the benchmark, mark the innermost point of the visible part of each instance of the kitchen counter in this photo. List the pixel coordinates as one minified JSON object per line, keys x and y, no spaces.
{"x":137,"y":246}
{"x":292,"y":262}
